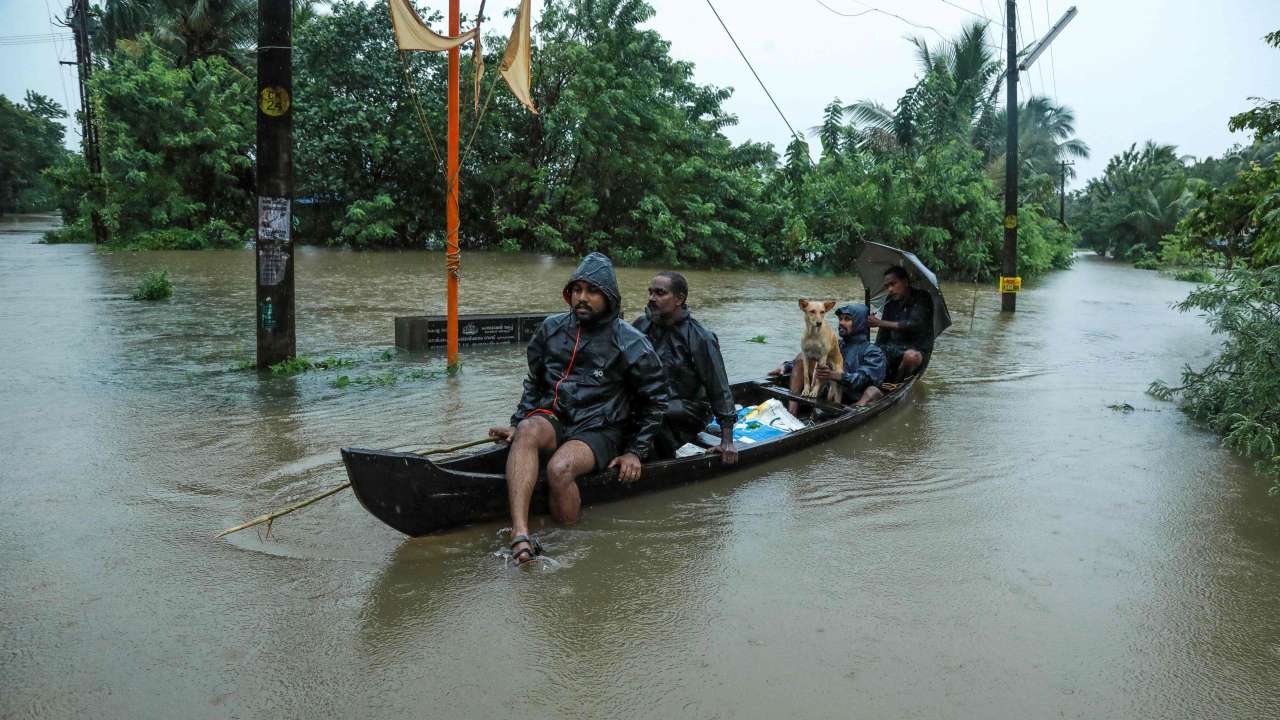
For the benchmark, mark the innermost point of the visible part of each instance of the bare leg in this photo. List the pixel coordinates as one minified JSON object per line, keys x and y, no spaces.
{"x":532,"y":434}
{"x":573,"y":459}
{"x":911,"y":360}
{"x":797,"y":383}
{"x":870,"y":395}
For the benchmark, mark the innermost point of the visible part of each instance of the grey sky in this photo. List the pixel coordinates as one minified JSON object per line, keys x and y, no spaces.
{"x":1171,"y":71}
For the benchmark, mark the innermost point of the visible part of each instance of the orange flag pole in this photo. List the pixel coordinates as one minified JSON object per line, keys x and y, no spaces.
{"x":453,"y":258}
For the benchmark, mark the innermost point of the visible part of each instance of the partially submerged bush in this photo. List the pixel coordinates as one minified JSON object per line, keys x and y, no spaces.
{"x":1238,"y":393}
{"x":1195,"y":275}
{"x":155,"y":285}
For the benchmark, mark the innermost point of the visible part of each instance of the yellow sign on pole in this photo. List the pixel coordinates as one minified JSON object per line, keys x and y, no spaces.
{"x":1010,"y":284}
{"x":274,"y":101}
{"x":1010,"y":222}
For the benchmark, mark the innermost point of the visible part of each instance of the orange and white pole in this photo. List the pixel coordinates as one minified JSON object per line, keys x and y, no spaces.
{"x":451,"y":202}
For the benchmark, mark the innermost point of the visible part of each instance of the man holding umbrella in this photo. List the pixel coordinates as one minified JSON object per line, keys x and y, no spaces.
{"x":905,"y":325}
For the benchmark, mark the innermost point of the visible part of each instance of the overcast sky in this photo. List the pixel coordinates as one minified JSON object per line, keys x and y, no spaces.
{"x":1132,"y":70}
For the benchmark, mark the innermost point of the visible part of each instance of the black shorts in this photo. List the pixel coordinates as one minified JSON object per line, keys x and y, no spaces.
{"x":893,"y":354}
{"x":604,"y":442}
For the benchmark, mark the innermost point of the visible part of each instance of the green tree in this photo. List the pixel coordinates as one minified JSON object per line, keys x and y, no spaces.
{"x":30,"y":142}
{"x":1139,"y":199}
{"x":1238,"y":393}
{"x":627,"y":154}
{"x":176,"y":145}
{"x":1264,"y":119}
{"x":363,"y":161}
{"x":190,"y":30}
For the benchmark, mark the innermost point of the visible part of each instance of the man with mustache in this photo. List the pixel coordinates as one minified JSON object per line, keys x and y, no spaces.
{"x":590,"y":375}
{"x":696,"y":379}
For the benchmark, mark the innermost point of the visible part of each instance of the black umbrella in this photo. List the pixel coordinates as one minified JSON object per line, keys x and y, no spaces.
{"x":875,"y":259}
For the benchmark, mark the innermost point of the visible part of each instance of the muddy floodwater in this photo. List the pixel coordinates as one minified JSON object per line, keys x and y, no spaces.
{"x":1002,"y":545}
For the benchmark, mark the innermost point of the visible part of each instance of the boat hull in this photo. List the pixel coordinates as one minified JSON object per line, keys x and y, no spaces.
{"x":418,"y":496}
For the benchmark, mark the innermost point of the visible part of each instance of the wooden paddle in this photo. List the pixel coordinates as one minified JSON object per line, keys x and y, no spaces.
{"x":271,"y":516}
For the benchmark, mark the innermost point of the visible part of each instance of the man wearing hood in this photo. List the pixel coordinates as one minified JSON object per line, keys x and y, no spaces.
{"x":864,"y":362}
{"x":590,"y":375}
{"x":696,"y":379}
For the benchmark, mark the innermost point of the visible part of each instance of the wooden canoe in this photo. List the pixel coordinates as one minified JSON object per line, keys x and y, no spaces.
{"x":419,"y":496}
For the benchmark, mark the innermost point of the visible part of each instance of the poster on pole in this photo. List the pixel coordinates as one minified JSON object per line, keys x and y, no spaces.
{"x":273,"y":239}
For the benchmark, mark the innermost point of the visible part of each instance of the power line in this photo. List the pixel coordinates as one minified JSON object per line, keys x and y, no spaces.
{"x":844,"y":14}
{"x":753,"y":71}
{"x":873,"y":9}
{"x":62,"y":75}
{"x":11,"y":41}
{"x":1039,"y":68}
{"x":1053,"y":65}
{"x":1022,"y":37}
{"x":961,"y":7}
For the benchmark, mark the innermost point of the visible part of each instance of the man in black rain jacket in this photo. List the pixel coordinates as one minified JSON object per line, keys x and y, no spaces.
{"x":696,"y":379}
{"x":590,"y":375}
{"x":906,"y":325}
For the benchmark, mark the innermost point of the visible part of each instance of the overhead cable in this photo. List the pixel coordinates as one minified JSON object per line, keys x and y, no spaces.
{"x":873,"y":9}
{"x":753,"y":72}
{"x":965,"y":9}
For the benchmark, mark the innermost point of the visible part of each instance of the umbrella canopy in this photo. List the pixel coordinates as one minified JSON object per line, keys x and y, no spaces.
{"x":875,"y":259}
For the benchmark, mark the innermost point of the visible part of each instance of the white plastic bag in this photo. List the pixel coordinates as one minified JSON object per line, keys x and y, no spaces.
{"x":773,"y":413}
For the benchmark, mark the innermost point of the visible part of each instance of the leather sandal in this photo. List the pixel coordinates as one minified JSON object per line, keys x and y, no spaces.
{"x":525,"y":554}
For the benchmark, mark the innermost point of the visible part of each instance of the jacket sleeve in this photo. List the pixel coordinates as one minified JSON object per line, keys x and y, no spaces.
{"x":649,"y":396}
{"x":918,"y":317}
{"x":709,"y":363}
{"x":874,"y":364}
{"x":866,"y":369}
{"x":533,"y":382}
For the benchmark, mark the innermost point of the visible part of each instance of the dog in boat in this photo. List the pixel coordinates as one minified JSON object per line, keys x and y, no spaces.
{"x":818,"y":344}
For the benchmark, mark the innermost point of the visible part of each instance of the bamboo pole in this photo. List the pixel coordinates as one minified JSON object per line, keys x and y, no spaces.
{"x":271,"y":516}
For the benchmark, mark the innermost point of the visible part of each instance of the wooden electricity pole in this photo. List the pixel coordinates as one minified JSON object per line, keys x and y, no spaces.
{"x":1009,"y":263}
{"x":79,"y":24}
{"x":275,"y":316}
{"x":1009,"y":281}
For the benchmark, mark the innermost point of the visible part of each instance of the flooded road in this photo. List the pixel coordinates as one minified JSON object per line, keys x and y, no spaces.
{"x":1002,"y":545}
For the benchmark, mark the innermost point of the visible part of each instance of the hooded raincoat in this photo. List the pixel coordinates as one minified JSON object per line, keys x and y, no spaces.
{"x":864,"y":362}
{"x":696,"y":378}
{"x":599,"y":376}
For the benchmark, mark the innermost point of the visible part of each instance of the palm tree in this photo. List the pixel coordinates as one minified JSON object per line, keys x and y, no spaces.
{"x":1046,"y":137}
{"x":950,"y":98}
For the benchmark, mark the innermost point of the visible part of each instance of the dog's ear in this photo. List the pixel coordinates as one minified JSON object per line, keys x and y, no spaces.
{"x":826,"y":306}
{"x":804,"y":304}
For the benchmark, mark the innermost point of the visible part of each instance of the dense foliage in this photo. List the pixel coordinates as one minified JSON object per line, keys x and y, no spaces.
{"x":1146,"y":196}
{"x":626,"y":156}
{"x":176,"y":147}
{"x":1237,"y":220}
{"x":30,"y":142}
{"x":1238,"y":393}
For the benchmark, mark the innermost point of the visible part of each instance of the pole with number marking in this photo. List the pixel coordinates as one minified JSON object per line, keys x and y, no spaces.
{"x":274,"y":247}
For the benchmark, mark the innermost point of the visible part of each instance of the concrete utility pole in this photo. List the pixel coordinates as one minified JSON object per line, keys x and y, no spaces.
{"x":78,"y":21}
{"x":275,"y":314}
{"x":1010,"y":283}
{"x":1062,"y":196}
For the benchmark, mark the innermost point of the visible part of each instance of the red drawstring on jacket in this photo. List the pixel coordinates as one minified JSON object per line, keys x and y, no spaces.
{"x":555,"y":397}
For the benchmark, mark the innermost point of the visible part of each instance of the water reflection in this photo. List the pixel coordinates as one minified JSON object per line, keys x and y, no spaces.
{"x":1001,"y":545}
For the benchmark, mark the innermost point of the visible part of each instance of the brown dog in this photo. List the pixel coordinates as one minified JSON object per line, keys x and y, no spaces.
{"x":819,"y":344}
